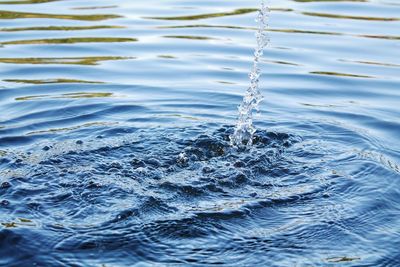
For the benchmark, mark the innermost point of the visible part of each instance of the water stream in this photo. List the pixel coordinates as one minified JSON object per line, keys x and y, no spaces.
{"x":244,"y":130}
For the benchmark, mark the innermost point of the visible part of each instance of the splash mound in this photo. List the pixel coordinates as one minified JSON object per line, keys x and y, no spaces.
{"x":138,"y":195}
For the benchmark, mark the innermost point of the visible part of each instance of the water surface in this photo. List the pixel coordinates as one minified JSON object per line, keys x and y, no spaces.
{"x":114,"y":134}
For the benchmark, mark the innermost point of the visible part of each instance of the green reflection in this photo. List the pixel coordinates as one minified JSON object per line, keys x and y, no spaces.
{"x":86,"y":95}
{"x":225,"y":82}
{"x":387,"y":37}
{"x":50,"y":81}
{"x":305,"y":31}
{"x":209,"y":15}
{"x":320,"y":105}
{"x":9,"y":225}
{"x":26,"y":15}
{"x":342,"y":259}
{"x":280,"y":62}
{"x":61,"y":28}
{"x":68,"y":61}
{"x":72,"y":40}
{"x":335,"y":16}
{"x":340,"y":74}
{"x":166,"y":56}
{"x":93,"y":7}
{"x":189,"y":37}
{"x":24,"y":2}
{"x":21,"y":222}
{"x":248,"y":28}
{"x":282,"y":9}
{"x":373,"y":63}
{"x":25,"y":220}
{"x":69,"y":95}
{"x":205,"y":26}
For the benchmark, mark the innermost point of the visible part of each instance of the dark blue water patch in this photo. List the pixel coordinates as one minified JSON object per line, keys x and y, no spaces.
{"x":15,"y":140}
{"x":56,"y":121}
{"x":140,"y":193}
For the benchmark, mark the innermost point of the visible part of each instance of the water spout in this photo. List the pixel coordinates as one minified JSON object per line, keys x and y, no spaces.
{"x":244,"y":130}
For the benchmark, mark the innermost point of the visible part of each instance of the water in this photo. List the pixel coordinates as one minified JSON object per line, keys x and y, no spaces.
{"x":244,"y":131}
{"x":115,"y":125}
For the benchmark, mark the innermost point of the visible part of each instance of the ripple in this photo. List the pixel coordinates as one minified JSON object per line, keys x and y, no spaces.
{"x":71,"y":40}
{"x":207,"y":16}
{"x":69,"y":129}
{"x":27,"y":15}
{"x":68,"y":95}
{"x":372,"y":63}
{"x":61,"y":28}
{"x":330,"y":73}
{"x":189,"y":37}
{"x":25,"y":2}
{"x":65,"y":60}
{"x":336,"y":16}
{"x":387,"y":37}
{"x":50,"y":81}
{"x":94,"y":7}
{"x":160,"y":188}
{"x":289,"y":31}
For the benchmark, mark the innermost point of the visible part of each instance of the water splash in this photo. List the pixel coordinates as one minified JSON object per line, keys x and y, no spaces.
{"x":244,"y":130}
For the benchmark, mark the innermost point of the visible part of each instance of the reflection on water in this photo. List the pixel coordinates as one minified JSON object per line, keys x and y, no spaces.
{"x":373,"y":63}
{"x":334,"y":16}
{"x":47,"y":81}
{"x":280,"y":30}
{"x":188,"y":37}
{"x":60,"y":28}
{"x":94,"y":7}
{"x":73,"y":61}
{"x":340,"y":74}
{"x":115,"y":119}
{"x":69,"y":95}
{"x":210,"y":15}
{"x":24,"y":2}
{"x":27,"y":15}
{"x":382,"y":37}
{"x":341,"y":259}
{"x":71,"y":41}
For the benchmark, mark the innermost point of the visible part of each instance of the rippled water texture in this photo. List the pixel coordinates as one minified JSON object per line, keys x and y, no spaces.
{"x":115,"y":121}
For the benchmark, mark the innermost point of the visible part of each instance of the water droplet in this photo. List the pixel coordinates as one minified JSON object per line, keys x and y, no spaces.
{"x":5,"y":185}
{"x":5,"y":203}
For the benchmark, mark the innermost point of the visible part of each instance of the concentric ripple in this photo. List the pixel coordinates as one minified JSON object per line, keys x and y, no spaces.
{"x":193,"y":195}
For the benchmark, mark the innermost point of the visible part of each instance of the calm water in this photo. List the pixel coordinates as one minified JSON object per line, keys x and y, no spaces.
{"x":115,"y":121}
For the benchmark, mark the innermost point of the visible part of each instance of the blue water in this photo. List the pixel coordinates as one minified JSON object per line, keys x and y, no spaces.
{"x":114,"y":134}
